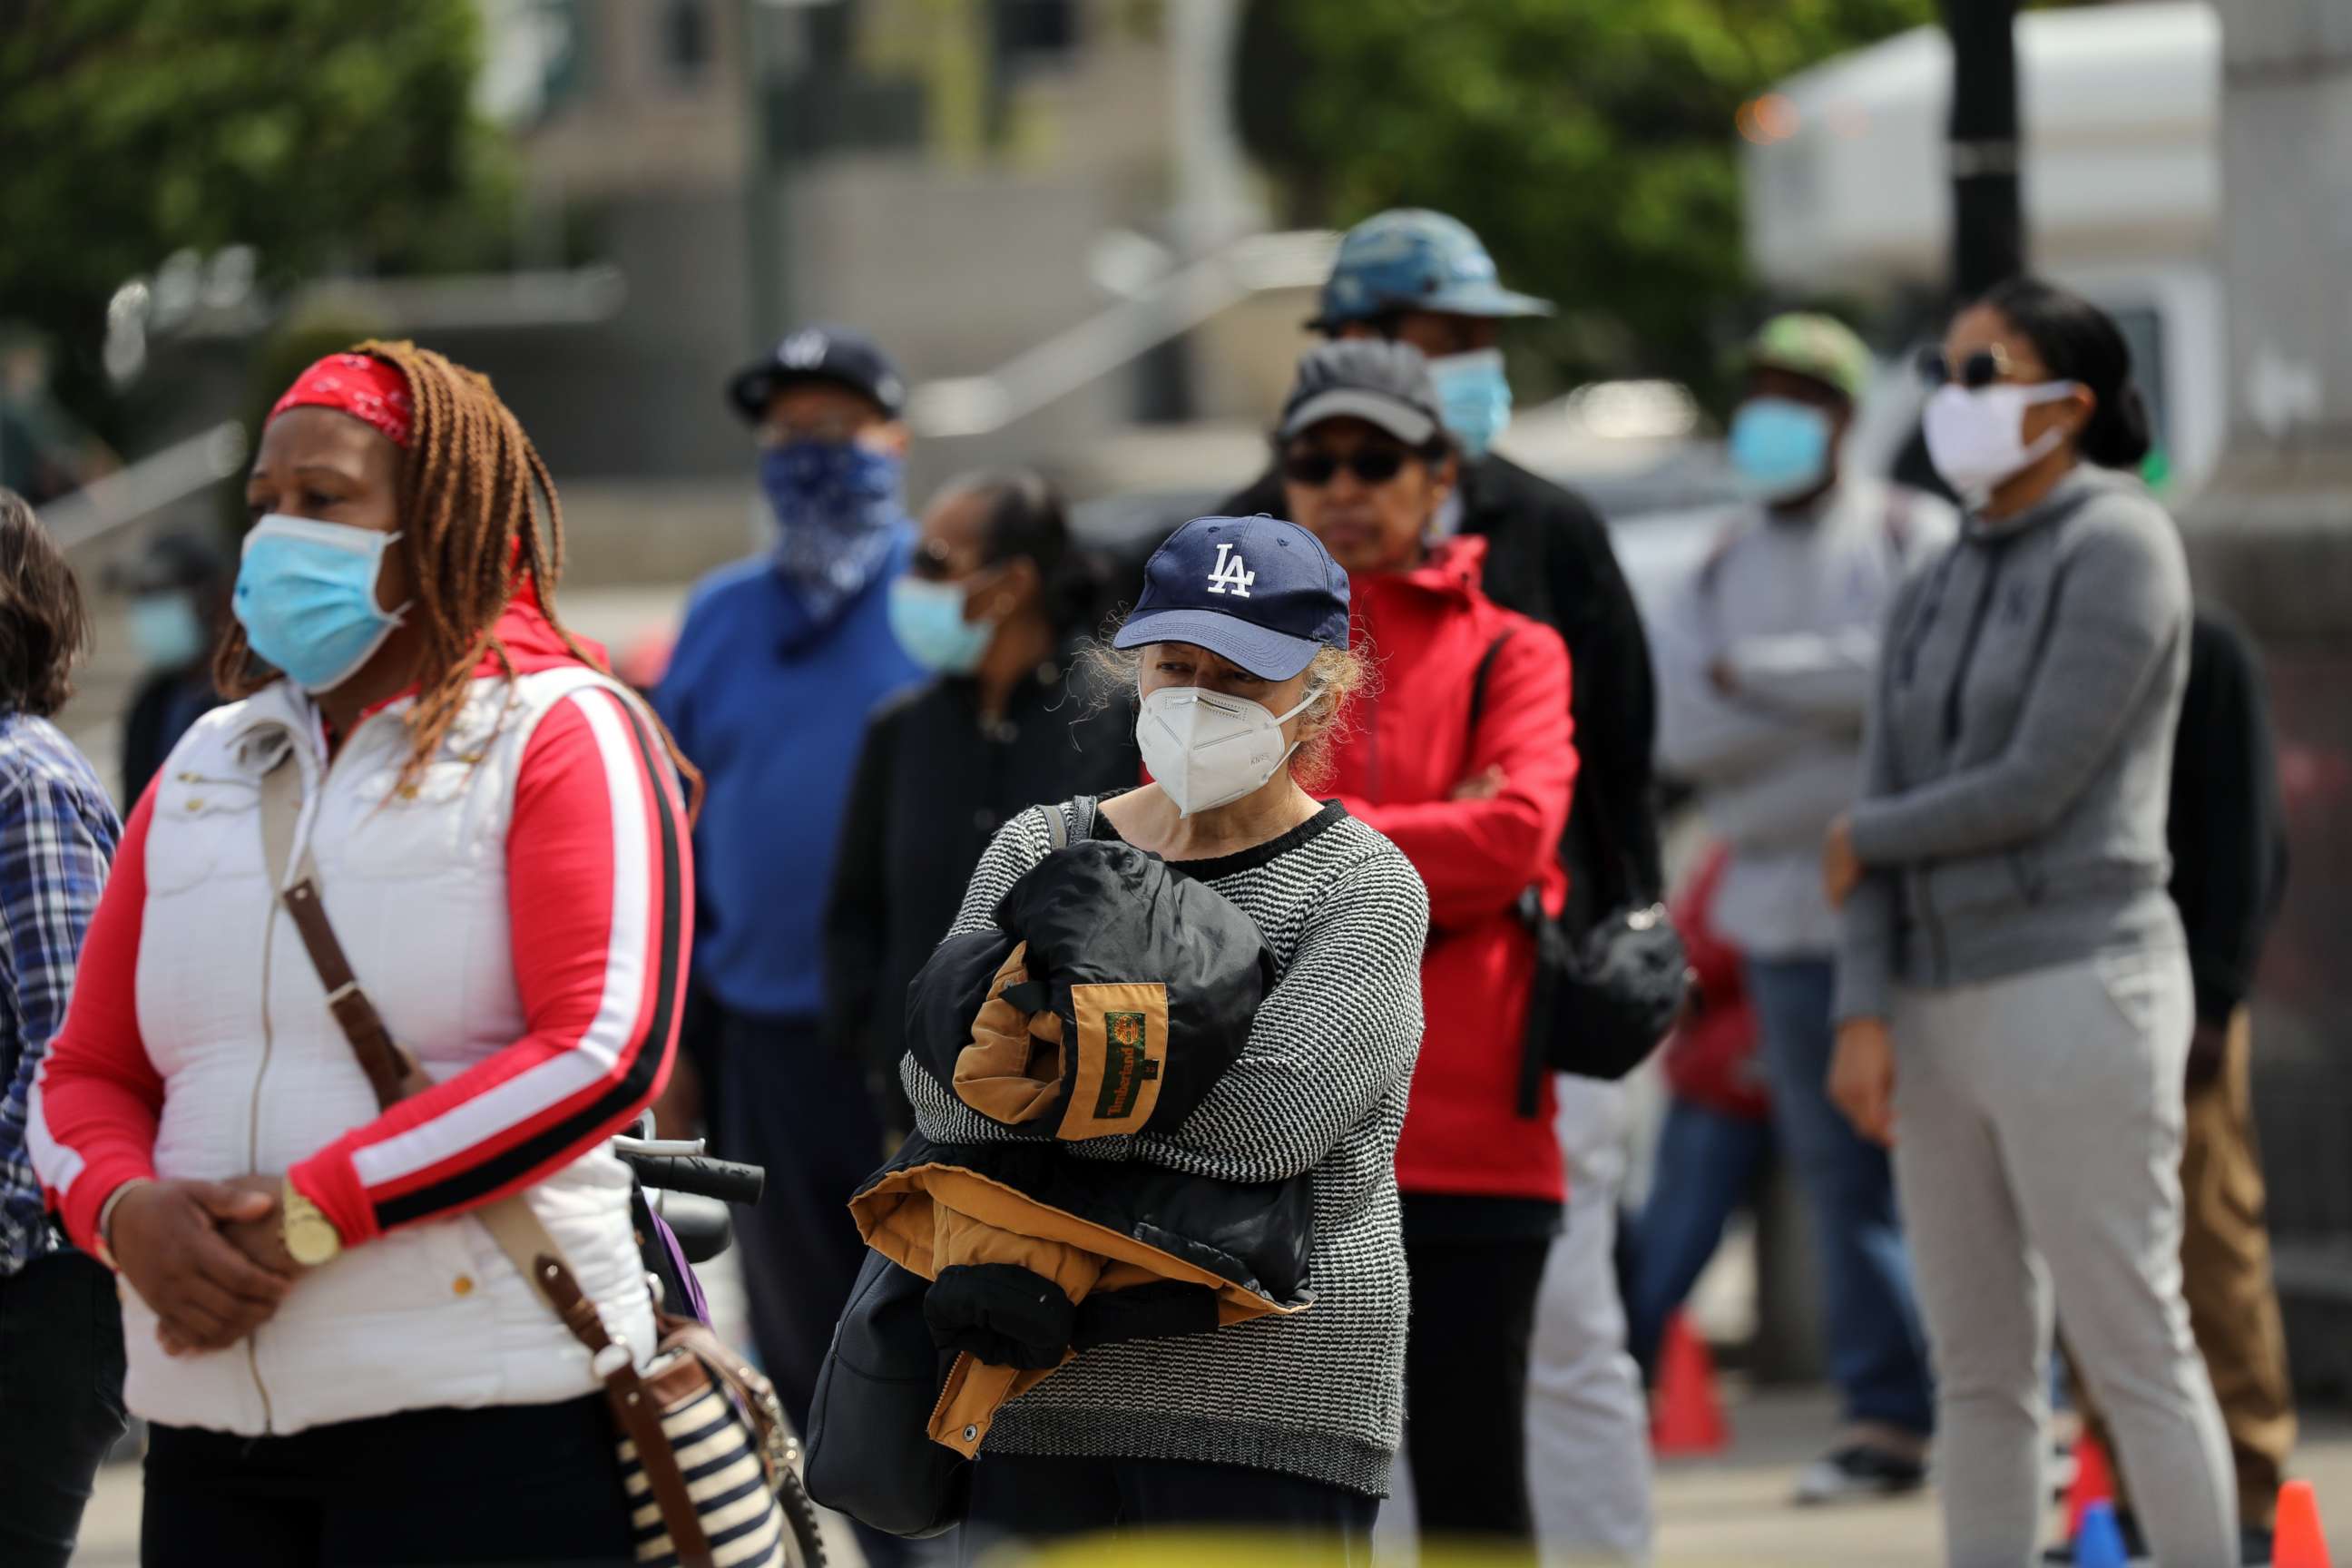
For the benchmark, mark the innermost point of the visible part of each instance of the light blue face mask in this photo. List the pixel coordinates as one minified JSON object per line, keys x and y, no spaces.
{"x":1780,"y":447}
{"x":306,"y":597}
{"x":928,"y":620}
{"x":166,"y":630}
{"x":1473,"y":397}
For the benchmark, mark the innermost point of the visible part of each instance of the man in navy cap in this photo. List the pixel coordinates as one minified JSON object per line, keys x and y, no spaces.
{"x":1421,"y":278}
{"x":781,"y":659}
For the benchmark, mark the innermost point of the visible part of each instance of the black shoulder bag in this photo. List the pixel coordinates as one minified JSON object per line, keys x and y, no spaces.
{"x":870,"y":1455}
{"x":1598,"y":1007}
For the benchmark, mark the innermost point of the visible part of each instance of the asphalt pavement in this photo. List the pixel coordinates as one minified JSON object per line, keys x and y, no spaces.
{"x":1732,"y":1509}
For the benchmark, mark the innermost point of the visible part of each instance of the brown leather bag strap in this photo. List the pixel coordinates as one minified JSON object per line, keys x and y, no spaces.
{"x":392,"y":1072}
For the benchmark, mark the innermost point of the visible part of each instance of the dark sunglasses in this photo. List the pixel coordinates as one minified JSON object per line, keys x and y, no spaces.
{"x":930,"y":562}
{"x":1373,"y":465}
{"x":1978,"y":371}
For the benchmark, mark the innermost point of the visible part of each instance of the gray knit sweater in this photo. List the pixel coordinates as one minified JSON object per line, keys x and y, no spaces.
{"x":1320,"y":1087}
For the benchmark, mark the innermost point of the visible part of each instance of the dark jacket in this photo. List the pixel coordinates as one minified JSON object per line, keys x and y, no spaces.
{"x":931,"y":788}
{"x":2225,"y":829}
{"x":1548,"y":557}
{"x":1106,"y":999}
{"x":167,"y":704}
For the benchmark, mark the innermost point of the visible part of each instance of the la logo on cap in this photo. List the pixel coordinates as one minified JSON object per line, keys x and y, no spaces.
{"x":802,"y":350}
{"x":1231,"y":573}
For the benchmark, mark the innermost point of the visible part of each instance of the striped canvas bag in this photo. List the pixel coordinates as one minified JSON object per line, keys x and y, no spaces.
{"x":702,"y":1437}
{"x":703,"y":1440}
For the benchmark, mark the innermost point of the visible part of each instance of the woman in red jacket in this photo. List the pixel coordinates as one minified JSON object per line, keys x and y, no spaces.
{"x":1464,"y":758}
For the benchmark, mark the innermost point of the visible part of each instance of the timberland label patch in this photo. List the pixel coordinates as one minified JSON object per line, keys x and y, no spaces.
{"x":1121,"y":1055}
{"x":1123,"y":1073}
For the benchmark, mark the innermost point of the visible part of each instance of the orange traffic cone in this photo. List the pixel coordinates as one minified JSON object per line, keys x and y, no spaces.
{"x":1690,"y":1417}
{"x":2299,"y":1543}
{"x":2094,"y":1482}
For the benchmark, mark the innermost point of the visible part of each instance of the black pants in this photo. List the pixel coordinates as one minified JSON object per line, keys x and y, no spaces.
{"x":787,"y":1101}
{"x":538,"y":1484}
{"x":1017,"y":1498}
{"x":60,"y":1400}
{"x":1465,"y":1383}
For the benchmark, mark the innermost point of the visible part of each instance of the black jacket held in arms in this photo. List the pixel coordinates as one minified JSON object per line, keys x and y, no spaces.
{"x":1107,"y":1000}
{"x":934,"y":783}
{"x":1548,"y":557}
{"x":2226,"y":827}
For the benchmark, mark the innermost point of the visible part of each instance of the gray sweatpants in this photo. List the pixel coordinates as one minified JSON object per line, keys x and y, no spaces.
{"x":2038,"y":1130}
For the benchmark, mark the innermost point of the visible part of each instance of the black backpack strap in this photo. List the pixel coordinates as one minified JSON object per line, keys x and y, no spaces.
{"x":1070,"y":824}
{"x":1485,"y":668}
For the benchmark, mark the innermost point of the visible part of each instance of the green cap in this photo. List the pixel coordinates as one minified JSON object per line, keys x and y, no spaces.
{"x":1808,"y":343}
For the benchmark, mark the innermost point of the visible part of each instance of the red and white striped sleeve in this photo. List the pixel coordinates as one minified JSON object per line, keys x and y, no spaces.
{"x":91,"y":1119}
{"x":599,"y":902}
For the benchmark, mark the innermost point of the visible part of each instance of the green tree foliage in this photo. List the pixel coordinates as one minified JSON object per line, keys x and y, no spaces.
{"x":1590,"y":142}
{"x":320,"y":132}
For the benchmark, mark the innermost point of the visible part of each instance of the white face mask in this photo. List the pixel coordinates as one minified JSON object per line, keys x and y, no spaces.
{"x":1206,"y":749}
{"x":1977,"y":438}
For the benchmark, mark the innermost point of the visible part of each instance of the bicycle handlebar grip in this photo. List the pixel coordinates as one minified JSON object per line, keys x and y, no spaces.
{"x":729,"y":1181}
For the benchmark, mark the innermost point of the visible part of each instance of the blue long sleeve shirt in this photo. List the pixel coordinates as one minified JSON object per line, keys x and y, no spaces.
{"x":771,"y":705}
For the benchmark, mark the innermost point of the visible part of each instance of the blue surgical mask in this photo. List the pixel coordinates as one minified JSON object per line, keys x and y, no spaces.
{"x":166,"y":630}
{"x":836,"y":504}
{"x":928,"y":620}
{"x":1473,"y":397}
{"x":1779,"y":448}
{"x":306,"y":597}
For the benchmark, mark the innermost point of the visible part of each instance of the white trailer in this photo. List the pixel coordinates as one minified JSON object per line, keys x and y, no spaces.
{"x":1848,"y":185}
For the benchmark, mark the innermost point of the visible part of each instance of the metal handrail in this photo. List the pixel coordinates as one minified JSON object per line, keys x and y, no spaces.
{"x":980,"y":404}
{"x":115,"y":500}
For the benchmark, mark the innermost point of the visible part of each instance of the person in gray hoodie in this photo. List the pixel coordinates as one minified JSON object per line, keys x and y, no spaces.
{"x":2014,"y":997}
{"x":1764,"y":661}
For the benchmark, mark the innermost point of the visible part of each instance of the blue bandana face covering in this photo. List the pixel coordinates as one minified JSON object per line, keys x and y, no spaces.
{"x":1779,"y":448}
{"x":306,"y":597}
{"x":1473,"y":397}
{"x":836,"y":504}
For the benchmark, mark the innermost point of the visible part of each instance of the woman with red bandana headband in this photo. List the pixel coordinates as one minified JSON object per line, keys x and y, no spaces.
{"x":338,"y":1362}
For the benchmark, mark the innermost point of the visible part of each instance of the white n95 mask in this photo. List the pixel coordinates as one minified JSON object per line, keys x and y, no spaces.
{"x":1206,"y":749}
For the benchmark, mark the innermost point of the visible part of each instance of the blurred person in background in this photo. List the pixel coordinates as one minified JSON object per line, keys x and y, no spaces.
{"x":993,"y":604}
{"x":1765,"y":661}
{"x":1424,"y":279}
{"x":1463,"y":757}
{"x":60,"y":1332}
{"x":2226,"y":831}
{"x":781,"y":659}
{"x":178,"y":591}
{"x":1716,"y":1140}
{"x":2015,"y":1006}
{"x":337,"y":1363}
{"x":44,"y":451}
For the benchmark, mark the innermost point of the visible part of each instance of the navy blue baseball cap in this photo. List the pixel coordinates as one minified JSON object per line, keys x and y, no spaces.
{"x":842,"y":355}
{"x":1256,"y":590}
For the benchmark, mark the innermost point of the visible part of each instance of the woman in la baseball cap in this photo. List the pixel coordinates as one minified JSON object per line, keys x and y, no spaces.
{"x":1238,"y":651}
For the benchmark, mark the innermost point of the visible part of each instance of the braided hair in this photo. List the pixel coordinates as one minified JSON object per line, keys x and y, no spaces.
{"x":474,"y":537}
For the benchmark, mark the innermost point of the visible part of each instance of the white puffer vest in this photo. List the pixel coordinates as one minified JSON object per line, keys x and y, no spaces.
{"x":256,"y":1075}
